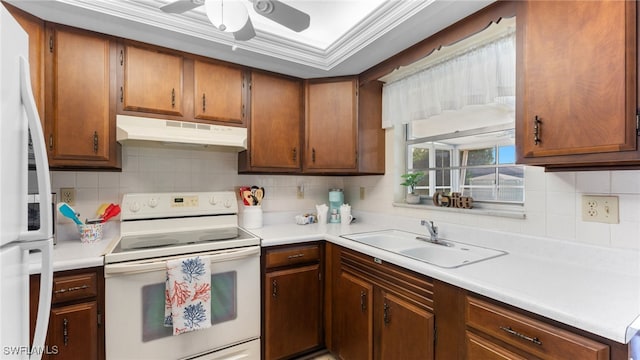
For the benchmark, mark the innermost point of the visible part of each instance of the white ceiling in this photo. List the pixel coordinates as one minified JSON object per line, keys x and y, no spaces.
{"x":345,"y":37}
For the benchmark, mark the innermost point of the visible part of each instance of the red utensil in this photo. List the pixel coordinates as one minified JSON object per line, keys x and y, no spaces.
{"x":110,"y":212}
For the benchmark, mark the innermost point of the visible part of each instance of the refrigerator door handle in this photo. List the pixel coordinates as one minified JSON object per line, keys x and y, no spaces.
{"x":40,"y":154}
{"x":44,"y":299}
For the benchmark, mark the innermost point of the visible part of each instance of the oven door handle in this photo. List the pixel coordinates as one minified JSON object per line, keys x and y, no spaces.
{"x":161,"y":264}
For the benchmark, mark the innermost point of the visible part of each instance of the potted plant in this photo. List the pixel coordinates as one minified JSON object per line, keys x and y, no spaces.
{"x":410,"y":181}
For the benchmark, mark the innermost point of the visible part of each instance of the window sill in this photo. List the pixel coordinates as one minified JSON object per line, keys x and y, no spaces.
{"x":512,"y":214}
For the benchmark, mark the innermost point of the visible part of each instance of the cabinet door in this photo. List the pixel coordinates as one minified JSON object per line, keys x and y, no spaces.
{"x":152,"y":81}
{"x":406,"y":329}
{"x":219,"y":92}
{"x":80,"y":112}
{"x":73,"y":332}
{"x":479,"y":348}
{"x":354,"y":318}
{"x":276,"y":117}
{"x":577,"y":79}
{"x":331,"y":126}
{"x":293,"y":311}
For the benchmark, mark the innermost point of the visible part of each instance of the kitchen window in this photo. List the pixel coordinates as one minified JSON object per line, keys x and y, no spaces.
{"x":456,"y":111}
{"x":479,"y":163}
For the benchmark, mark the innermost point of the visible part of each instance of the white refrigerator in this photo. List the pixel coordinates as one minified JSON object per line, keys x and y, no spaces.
{"x":18,"y":115}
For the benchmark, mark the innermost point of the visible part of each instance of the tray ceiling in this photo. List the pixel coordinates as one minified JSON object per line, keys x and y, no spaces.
{"x":345,"y":36}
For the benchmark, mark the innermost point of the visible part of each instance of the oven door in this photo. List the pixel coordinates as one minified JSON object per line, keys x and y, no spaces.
{"x":134,"y":300}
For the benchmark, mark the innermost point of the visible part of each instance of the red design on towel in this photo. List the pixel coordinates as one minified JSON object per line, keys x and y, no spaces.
{"x":203,"y":292}
{"x":180,"y":293}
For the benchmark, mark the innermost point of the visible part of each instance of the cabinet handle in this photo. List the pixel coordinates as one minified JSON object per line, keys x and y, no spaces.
{"x":121,"y":94}
{"x":363,"y":301}
{"x":95,"y":142}
{"x":295,"y":256}
{"x":386,"y":314}
{"x":295,"y":154}
{"x":274,"y":289}
{"x":204,"y":103}
{"x":50,"y":141}
{"x":173,"y":98}
{"x":65,"y":331}
{"x":121,"y":57}
{"x":75,"y":288}
{"x":51,"y":43}
{"x":536,"y":130}
{"x":510,"y":331}
{"x":313,"y":155}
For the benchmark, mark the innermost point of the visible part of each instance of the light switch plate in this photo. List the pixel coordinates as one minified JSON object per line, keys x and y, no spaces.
{"x":603,"y":209}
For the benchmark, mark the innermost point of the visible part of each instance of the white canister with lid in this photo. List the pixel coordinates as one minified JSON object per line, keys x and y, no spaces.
{"x":252,"y":217}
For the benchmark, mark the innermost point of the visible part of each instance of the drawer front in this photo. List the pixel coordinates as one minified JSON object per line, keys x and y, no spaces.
{"x":74,"y":287}
{"x":533,"y":336}
{"x":292,"y":256}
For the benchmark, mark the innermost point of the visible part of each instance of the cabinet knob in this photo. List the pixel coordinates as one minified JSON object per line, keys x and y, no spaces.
{"x":510,"y":331}
{"x":274,"y":288}
{"x":536,"y":130}
{"x":204,"y":103}
{"x":95,"y":142}
{"x":65,"y":331}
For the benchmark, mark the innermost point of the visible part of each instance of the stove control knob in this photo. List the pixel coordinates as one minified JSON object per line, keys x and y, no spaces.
{"x":153,"y":202}
{"x":134,"y":207}
{"x":227,"y":203}
{"x":212,"y":200}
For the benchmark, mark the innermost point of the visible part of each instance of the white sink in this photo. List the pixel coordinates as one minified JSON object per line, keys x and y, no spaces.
{"x":452,"y":255}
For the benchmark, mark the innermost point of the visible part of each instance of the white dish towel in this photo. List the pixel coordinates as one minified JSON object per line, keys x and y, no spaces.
{"x":188,"y":294}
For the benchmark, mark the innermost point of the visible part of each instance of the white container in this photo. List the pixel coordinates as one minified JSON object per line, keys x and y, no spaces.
{"x":252,"y":217}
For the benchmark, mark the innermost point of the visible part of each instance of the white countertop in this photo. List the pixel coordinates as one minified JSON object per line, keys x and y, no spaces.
{"x":591,"y":288}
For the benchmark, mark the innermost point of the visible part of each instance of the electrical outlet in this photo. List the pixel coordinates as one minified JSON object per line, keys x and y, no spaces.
{"x":603,"y":209}
{"x":300,"y":192}
{"x":362,"y":192}
{"x":68,"y":195}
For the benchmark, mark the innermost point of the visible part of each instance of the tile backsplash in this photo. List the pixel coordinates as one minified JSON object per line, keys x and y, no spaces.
{"x":552,"y":204}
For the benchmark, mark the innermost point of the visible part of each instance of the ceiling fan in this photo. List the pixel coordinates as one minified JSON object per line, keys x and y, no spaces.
{"x":232,"y":16}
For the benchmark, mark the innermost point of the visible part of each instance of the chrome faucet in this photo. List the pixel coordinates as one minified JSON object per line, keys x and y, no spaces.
{"x":433,"y":230}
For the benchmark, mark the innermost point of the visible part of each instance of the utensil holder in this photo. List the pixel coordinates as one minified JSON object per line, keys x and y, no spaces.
{"x":252,"y":217}
{"x":90,"y":233}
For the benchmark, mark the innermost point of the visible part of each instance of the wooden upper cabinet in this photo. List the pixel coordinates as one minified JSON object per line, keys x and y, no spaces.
{"x":219,"y":92}
{"x":577,"y":98}
{"x":152,"y":81}
{"x":275,"y":125}
{"x":80,"y":106}
{"x":331,"y":126}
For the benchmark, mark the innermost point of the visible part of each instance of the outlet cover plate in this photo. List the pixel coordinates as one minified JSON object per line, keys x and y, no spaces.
{"x":68,"y":195}
{"x":602,"y":209}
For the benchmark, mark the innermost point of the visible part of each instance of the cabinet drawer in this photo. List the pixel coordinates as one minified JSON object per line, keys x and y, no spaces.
{"x":533,"y":336}
{"x":290,"y":256}
{"x":74,"y":287}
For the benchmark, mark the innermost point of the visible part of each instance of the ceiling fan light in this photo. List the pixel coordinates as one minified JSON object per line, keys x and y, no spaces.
{"x":227,"y":15}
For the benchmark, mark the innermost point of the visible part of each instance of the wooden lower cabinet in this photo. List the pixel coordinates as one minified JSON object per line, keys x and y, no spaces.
{"x":75,"y":321}
{"x":511,"y":335}
{"x":292,"y":300}
{"x":380,"y":311}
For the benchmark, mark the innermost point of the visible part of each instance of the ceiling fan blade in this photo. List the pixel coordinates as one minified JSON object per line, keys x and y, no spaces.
{"x":180,"y":6}
{"x":247,"y":32}
{"x":282,"y":13}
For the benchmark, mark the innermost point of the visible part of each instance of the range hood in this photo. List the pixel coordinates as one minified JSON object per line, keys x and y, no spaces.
{"x":131,"y":129}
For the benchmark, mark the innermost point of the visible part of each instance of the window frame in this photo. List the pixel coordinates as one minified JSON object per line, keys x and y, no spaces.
{"x":456,"y":168}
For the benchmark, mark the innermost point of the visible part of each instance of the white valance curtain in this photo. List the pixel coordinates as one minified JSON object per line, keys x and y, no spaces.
{"x":481,"y":75}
